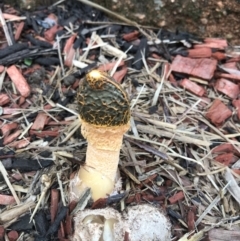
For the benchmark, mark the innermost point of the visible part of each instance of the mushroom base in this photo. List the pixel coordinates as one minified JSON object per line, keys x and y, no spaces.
{"x":102,"y":157}
{"x":88,"y":177}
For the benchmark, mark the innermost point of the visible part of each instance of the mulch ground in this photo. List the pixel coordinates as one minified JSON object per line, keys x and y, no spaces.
{"x":181,"y":153}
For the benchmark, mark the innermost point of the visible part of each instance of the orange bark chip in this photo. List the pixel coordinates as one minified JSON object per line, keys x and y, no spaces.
{"x":192,"y":87}
{"x":19,"y":81}
{"x":40,"y":121}
{"x":203,"y":68}
{"x":218,"y":113}
{"x":227,"y":87}
{"x":176,"y":197}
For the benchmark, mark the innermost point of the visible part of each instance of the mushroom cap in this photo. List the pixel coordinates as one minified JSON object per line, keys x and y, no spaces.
{"x":102,"y":101}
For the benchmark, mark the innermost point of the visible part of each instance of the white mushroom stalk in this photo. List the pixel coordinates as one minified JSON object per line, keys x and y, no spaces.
{"x":105,"y":112}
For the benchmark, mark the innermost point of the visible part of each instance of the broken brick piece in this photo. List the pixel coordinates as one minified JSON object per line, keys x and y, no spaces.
{"x":228,"y":76}
{"x":220,"y":234}
{"x":13,"y":235}
{"x":20,"y":143}
{"x":200,"y":53}
{"x":40,"y":121}
{"x":119,"y":75}
{"x":226,"y":158}
{"x":192,"y":87}
{"x":176,"y":197}
{"x":50,"y":34}
{"x":231,"y":65}
{"x":219,"y":55}
{"x":19,"y":81}
{"x":6,"y":199}
{"x":214,"y":43}
{"x":131,"y":36}
{"x":54,"y":204}
{"x":2,"y":68}
{"x":225,"y":147}
{"x":69,"y":43}
{"x":4,"y":99}
{"x":7,"y":128}
{"x":227,"y":87}
{"x":2,"y":233}
{"x":19,"y":30}
{"x":203,"y":68}
{"x":236,"y":104}
{"x":69,"y":57}
{"x":12,"y":137}
{"x":218,"y":112}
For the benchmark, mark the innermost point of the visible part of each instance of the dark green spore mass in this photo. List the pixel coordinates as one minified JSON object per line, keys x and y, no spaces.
{"x":103,"y":102}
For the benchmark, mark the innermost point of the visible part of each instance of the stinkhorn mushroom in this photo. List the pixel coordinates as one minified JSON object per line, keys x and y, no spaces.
{"x":105,"y":113}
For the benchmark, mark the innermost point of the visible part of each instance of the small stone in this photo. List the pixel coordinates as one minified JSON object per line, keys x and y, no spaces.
{"x":69,"y":80}
{"x":204,"y":20}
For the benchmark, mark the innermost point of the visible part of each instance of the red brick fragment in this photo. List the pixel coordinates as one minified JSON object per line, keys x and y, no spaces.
{"x":40,"y":121}
{"x":227,"y":87}
{"x":236,"y":104}
{"x":68,"y":225}
{"x":12,"y":137}
{"x":2,"y":233}
{"x":231,"y":65}
{"x":214,"y":43}
{"x":226,"y":158}
{"x":13,"y":235}
{"x":237,"y":171}
{"x":172,"y":80}
{"x":191,"y":217}
{"x":131,"y":36}
{"x":218,"y":112}
{"x":203,"y":68}
{"x":69,"y":51}
{"x":20,"y":143}
{"x":176,"y":197}
{"x":200,"y":53}
{"x":219,"y":55}
{"x":69,"y":44}
{"x":2,"y":68}
{"x":4,"y":99}
{"x":19,"y":30}
{"x":6,"y":199}
{"x":226,"y":147}
{"x":120,"y":74}
{"x":19,"y":81}
{"x":7,"y":128}
{"x":21,"y":100}
{"x":228,"y":76}
{"x":69,"y":57}
{"x":50,"y":34}
{"x":192,"y":87}
{"x":156,"y":56}
{"x":54,"y":203}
